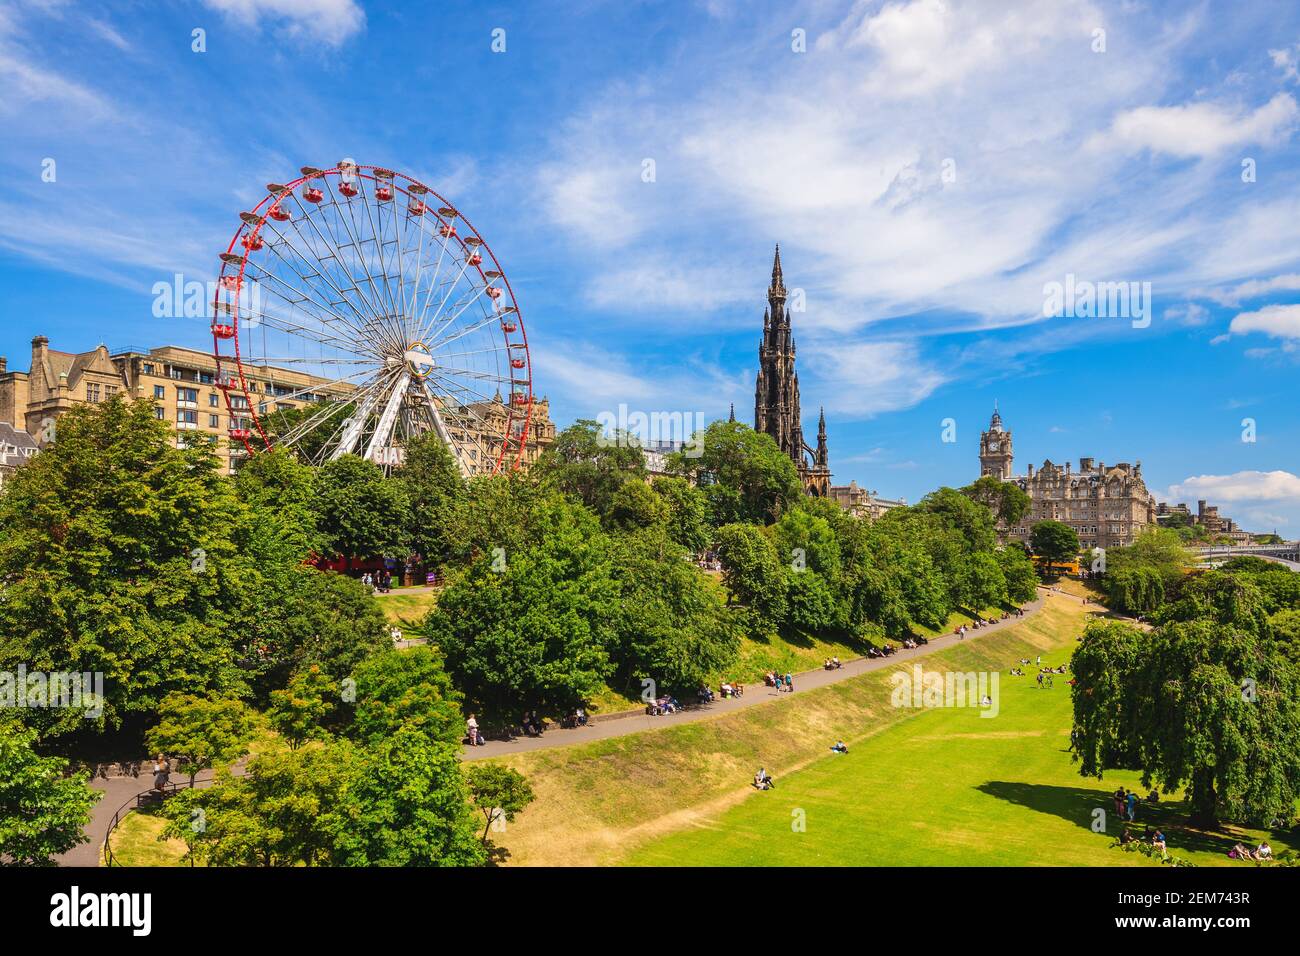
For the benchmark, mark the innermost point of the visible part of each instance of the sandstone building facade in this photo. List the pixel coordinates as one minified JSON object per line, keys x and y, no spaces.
{"x":1106,"y":505}
{"x":183,"y":385}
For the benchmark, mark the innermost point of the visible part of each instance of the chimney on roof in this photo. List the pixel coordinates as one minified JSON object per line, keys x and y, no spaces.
{"x":4,"y":364}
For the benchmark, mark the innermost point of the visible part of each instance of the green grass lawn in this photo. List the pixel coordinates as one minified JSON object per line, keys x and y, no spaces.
{"x":946,"y":788}
{"x":135,"y":841}
{"x":407,"y":610}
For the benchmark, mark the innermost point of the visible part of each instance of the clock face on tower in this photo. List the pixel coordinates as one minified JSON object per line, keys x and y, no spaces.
{"x":994,"y":446}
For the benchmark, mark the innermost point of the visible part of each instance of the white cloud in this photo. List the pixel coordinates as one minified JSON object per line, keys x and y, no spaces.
{"x":927,"y":45}
{"x":868,"y":378}
{"x":331,"y":21}
{"x":591,"y":379}
{"x":1251,"y":289}
{"x":1277,"y":321}
{"x":1188,"y":313}
{"x":590,"y":201}
{"x":1201,"y":129}
{"x":1286,"y":61}
{"x":660,"y":286}
{"x":1240,"y":486}
{"x":25,"y":82}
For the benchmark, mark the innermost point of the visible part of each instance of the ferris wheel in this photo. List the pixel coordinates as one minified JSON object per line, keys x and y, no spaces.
{"x":356,"y":309}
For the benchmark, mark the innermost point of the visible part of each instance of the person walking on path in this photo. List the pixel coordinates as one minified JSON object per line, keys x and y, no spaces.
{"x":789,"y":683}
{"x":162,"y":771}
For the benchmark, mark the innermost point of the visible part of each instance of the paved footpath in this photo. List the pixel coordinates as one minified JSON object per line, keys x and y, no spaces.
{"x":117,"y":791}
{"x":120,"y":790}
{"x":637,"y":721}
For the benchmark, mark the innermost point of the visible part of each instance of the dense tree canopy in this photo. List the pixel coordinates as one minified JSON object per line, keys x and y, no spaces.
{"x":589,"y":465}
{"x":42,"y":810}
{"x":1006,"y":500}
{"x":1206,"y":701}
{"x":1054,"y":541}
{"x":745,"y":476}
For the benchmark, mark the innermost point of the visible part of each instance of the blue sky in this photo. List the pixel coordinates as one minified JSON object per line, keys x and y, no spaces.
{"x":928,"y":166}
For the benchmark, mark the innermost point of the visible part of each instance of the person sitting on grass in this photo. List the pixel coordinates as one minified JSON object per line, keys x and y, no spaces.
{"x":839,"y":747}
{"x":1263,"y":852}
{"x":1238,"y":852}
{"x":1158,"y":843}
{"x":763,"y":780}
{"x":1126,"y":837}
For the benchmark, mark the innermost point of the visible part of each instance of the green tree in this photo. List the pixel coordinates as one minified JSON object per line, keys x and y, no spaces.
{"x":1005,"y":499}
{"x":669,"y":619}
{"x":754,"y":574}
{"x":530,"y":628}
{"x":811,"y":604}
{"x":960,"y":513}
{"x":43,"y":810}
{"x":297,"y":711}
{"x":406,"y":688}
{"x":590,"y":466}
{"x":1138,"y":589}
{"x":1197,"y":704}
{"x":202,"y":732}
{"x":688,"y":512}
{"x":117,"y":558}
{"x":637,"y":505}
{"x":1018,"y":573}
{"x":808,"y":540}
{"x":361,"y":513}
{"x":407,"y":806}
{"x":290,"y":617}
{"x":435,"y":493}
{"x":285,"y":811}
{"x":499,"y":793}
{"x":279,"y":492}
{"x":745,"y":476}
{"x":1053,"y":541}
{"x":1222,"y":598}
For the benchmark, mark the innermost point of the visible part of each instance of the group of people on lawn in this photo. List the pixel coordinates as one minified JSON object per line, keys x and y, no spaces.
{"x":1260,"y":854}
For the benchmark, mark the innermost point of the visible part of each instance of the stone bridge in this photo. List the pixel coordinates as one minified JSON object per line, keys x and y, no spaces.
{"x":1285,"y":553}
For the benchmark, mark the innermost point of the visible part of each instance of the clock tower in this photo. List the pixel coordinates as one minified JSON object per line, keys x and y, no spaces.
{"x":995,"y":449}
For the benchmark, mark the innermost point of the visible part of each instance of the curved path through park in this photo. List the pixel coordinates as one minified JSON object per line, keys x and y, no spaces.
{"x":636,"y":721}
{"x":121,"y":790}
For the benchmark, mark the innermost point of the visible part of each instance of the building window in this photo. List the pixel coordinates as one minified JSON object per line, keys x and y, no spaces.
{"x":187,"y":397}
{"x":214,"y":421}
{"x":159,"y":392}
{"x":92,"y":393}
{"x":158,"y":414}
{"x":213,"y":400}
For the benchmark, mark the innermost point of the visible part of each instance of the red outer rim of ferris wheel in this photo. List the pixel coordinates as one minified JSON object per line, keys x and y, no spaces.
{"x":271,"y":201}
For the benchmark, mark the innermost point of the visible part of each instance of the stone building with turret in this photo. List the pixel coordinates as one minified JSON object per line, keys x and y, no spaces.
{"x":1106,"y":505}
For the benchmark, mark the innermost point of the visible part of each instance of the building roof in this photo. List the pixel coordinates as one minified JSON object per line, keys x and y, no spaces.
{"x":16,"y":446}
